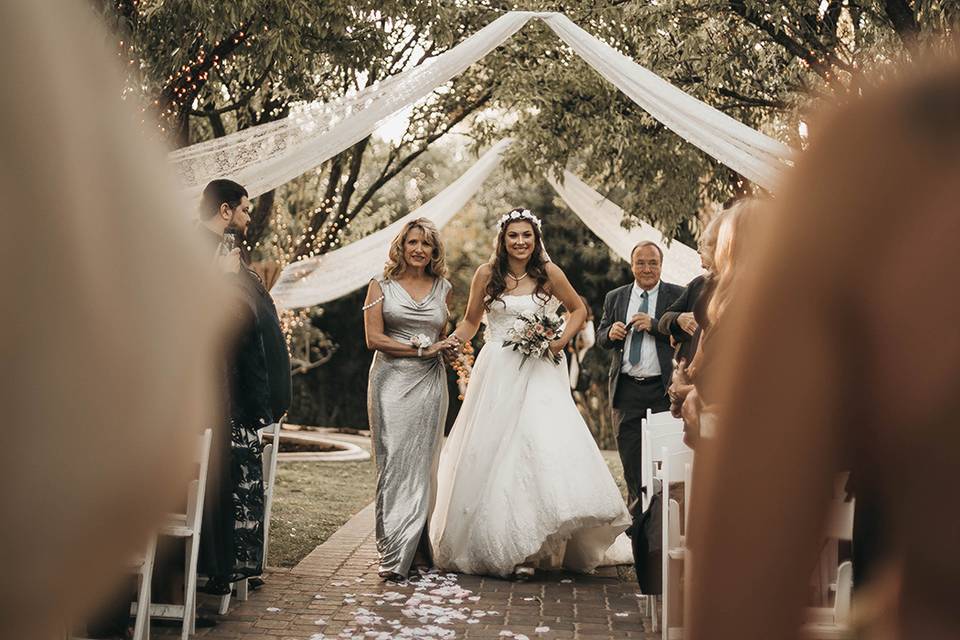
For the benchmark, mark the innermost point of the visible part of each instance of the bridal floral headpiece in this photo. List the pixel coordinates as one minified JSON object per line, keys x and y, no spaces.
{"x":521,"y":214}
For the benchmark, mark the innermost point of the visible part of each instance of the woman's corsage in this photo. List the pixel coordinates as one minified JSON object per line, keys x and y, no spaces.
{"x":421,"y":342}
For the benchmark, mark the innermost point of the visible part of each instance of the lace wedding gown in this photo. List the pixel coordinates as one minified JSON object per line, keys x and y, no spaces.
{"x":520,"y":477}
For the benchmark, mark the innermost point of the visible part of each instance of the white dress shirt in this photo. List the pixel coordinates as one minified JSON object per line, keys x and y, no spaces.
{"x":649,"y":364}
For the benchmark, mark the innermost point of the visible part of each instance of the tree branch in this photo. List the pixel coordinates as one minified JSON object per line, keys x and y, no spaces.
{"x":183,"y":89}
{"x":320,"y":215}
{"x":388,"y":173}
{"x":749,"y":101}
{"x":243,"y":99}
{"x":796,"y":49}
{"x":904,"y":22}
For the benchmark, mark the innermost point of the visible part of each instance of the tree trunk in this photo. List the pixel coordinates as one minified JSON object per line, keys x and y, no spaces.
{"x":309,"y":240}
{"x":260,"y":218}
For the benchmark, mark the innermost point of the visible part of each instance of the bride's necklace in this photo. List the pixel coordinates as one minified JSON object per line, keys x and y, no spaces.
{"x":517,"y":279}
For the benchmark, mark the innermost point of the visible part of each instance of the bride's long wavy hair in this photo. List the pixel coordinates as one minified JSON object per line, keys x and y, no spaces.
{"x":536,"y":266}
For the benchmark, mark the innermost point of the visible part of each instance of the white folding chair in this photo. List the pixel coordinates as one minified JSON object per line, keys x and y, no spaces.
{"x":143,"y":567}
{"x":833,"y":621}
{"x":662,"y":417}
{"x":674,"y":469}
{"x":270,"y":436}
{"x":187,"y":526}
{"x":654,"y":437}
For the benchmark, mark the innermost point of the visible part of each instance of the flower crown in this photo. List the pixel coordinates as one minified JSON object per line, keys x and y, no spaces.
{"x":521,"y":214}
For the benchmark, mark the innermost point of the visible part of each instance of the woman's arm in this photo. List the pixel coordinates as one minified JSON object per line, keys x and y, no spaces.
{"x":471,"y":319}
{"x":377,"y":340}
{"x":563,"y":291}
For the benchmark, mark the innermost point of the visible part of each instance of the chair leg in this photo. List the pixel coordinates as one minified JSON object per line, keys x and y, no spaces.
{"x":141,"y":628}
{"x":243,"y":589}
{"x":224,"y":604}
{"x":653,"y":613}
{"x":145,"y":632}
{"x":190,"y":595}
{"x":143,"y":608}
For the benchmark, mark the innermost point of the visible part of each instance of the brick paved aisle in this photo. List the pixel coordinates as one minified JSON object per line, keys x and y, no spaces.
{"x":335,"y":593}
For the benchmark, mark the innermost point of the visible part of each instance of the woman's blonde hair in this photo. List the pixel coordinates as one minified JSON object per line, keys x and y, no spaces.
{"x":397,"y":265}
{"x":734,"y":230}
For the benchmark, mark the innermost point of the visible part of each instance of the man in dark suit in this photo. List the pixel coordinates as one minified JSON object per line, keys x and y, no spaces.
{"x":642,"y":364}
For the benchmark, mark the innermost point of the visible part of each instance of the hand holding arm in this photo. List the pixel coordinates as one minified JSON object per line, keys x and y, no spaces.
{"x":470,"y":324}
{"x":576,"y":311}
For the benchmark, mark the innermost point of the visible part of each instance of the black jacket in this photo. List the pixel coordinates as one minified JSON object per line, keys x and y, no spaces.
{"x":276,"y":357}
{"x":692,"y":300}
{"x":615,"y":309}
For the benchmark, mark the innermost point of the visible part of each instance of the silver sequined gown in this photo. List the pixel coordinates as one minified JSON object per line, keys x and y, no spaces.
{"x":407,"y":406}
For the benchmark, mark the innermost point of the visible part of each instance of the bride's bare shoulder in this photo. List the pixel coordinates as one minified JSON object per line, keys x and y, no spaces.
{"x":483,"y":273}
{"x":553,"y":271}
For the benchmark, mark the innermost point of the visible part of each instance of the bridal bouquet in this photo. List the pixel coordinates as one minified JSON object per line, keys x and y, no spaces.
{"x":532,"y":334}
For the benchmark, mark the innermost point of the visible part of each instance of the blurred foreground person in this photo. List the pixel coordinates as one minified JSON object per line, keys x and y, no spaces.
{"x":108,"y":338}
{"x":825,"y":369}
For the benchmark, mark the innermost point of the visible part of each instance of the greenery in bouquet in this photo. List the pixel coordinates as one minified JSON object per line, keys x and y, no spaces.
{"x":532,"y":333}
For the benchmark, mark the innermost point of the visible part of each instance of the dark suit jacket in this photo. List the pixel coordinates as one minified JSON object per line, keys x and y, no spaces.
{"x":615,"y":309}
{"x":691,"y":301}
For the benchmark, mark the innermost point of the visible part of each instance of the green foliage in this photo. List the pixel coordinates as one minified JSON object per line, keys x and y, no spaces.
{"x":766,"y":64}
{"x":759,"y":62}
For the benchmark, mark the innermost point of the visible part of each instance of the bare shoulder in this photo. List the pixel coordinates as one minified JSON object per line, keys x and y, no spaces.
{"x":553,"y":271}
{"x":484,"y":272}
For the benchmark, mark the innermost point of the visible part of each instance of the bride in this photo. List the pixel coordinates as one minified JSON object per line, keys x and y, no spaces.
{"x":521,"y":482}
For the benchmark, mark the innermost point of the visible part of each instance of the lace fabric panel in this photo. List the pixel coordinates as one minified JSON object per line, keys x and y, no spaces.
{"x":266,"y":156}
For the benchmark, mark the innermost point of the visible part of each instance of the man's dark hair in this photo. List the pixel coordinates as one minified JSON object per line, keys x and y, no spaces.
{"x":216,"y":193}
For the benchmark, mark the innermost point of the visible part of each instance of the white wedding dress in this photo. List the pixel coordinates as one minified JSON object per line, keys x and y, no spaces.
{"x":521,"y":479}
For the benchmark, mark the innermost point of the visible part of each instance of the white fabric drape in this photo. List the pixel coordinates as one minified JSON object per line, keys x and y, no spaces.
{"x":266,"y":156}
{"x":323,"y":278}
{"x":750,"y":153}
{"x":339,"y":272}
{"x":681,"y":264}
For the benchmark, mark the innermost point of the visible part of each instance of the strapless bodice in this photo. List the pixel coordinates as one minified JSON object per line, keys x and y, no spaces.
{"x":503,"y":313}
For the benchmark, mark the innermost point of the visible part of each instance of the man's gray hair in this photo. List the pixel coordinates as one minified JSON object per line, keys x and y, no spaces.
{"x":646,"y":243}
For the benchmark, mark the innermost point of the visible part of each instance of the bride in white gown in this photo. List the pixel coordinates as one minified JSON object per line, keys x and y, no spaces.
{"x":521,"y":482}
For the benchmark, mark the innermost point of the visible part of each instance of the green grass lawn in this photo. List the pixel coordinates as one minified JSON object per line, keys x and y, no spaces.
{"x":311,"y":500}
{"x":314,"y":499}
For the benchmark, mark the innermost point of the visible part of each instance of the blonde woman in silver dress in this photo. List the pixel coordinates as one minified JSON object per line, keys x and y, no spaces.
{"x":405,"y":317}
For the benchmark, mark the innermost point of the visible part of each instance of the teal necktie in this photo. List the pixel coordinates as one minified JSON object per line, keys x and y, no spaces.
{"x":636,"y":342}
